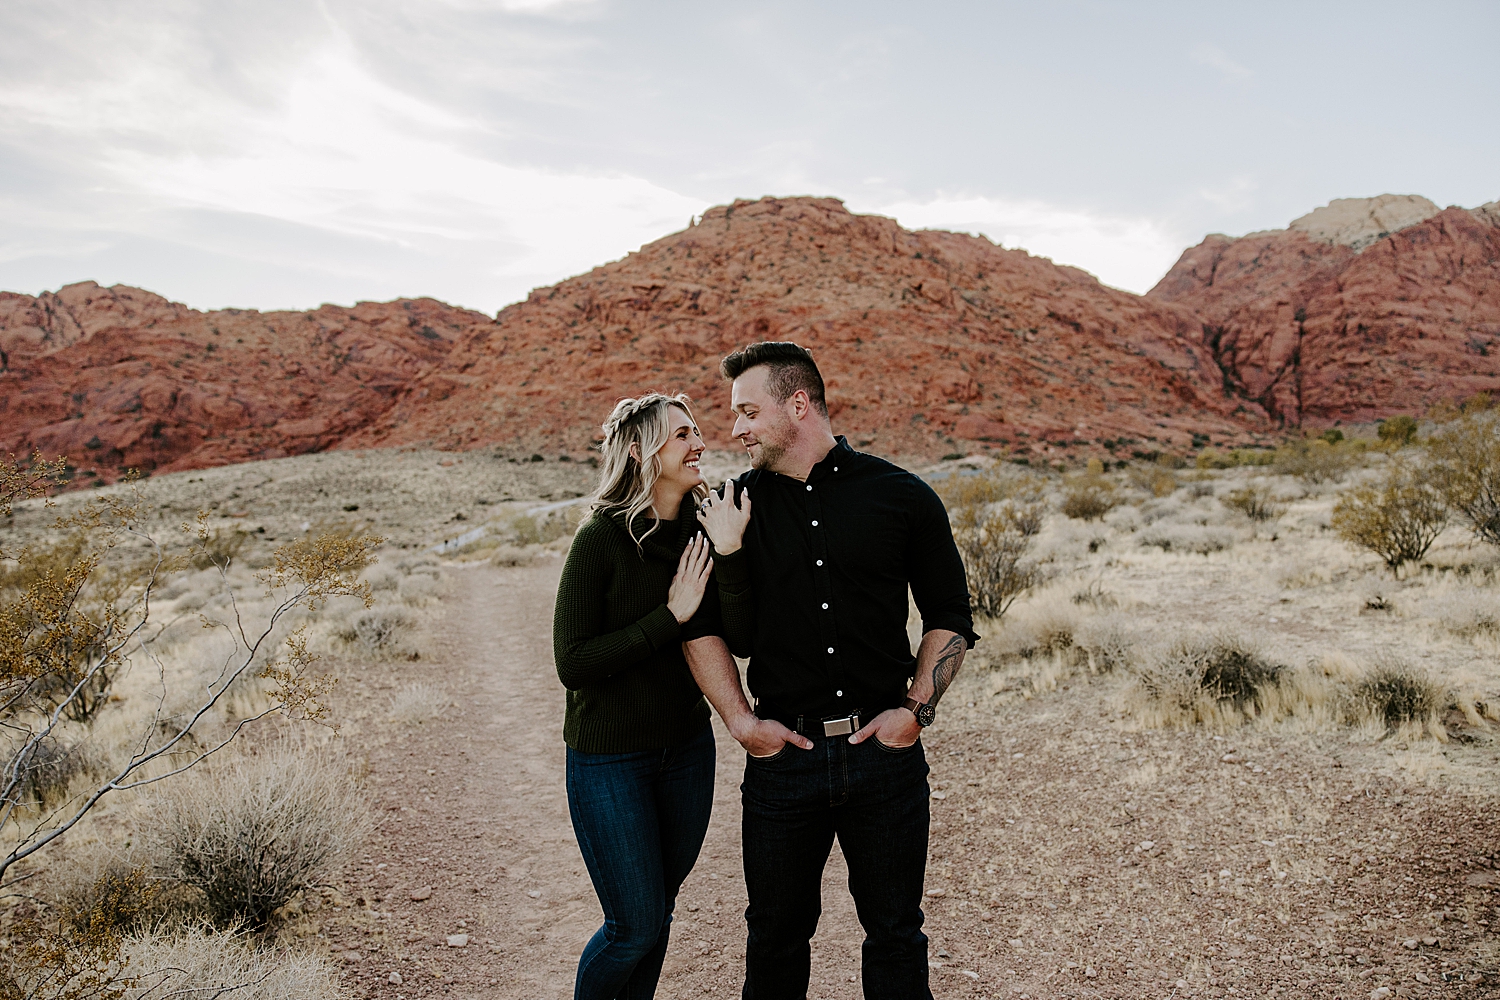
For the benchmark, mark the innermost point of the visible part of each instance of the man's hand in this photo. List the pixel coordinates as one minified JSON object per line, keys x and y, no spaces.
{"x":766,"y":737}
{"x":895,"y":727}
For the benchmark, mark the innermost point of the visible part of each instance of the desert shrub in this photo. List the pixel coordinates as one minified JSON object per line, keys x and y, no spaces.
{"x":1332,"y":435}
{"x":218,"y":548}
{"x":1397,"y":432}
{"x":1258,"y":503}
{"x":107,"y":887}
{"x":1397,"y":517}
{"x":1107,"y":644}
{"x":1315,"y":460}
{"x":996,"y":516}
{"x":381,"y":631}
{"x":1208,"y":680}
{"x":524,"y":528}
{"x":252,"y":835}
{"x":1471,"y":616}
{"x":1396,"y":694}
{"x":417,"y":703}
{"x":194,"y":964}
{"x":1157,"y":480}
{"x":44,"y":769}
{"x":1466,"y":470}
{"x":1195,"y":538}
{"x":1089,"y":496}
{"x":75,"y":954}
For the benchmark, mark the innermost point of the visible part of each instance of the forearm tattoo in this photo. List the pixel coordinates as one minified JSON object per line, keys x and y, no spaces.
{"x":949,"y":660}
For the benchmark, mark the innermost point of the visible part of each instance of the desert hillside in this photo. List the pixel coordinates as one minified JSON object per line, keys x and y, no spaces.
{"x":1363,"y":308}
{"x":934,"y":344}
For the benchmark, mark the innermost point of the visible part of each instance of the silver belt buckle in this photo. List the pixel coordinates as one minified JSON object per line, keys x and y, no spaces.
{"x":841,"y":727}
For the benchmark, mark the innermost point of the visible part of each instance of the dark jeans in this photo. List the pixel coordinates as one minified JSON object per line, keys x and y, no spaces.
{"x":640,"y":820}
{"x":874,"y":799}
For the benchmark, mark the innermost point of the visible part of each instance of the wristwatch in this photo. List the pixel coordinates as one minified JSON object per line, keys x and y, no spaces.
{"x":925,"y":714}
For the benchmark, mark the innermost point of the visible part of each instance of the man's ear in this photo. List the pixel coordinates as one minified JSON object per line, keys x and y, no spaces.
{"x":800,"y":404}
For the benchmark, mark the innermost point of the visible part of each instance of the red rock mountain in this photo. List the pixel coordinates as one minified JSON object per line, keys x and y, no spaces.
{"x":119,"y":378}
{"x":1364,"y":308}
{"x":932,"y":343}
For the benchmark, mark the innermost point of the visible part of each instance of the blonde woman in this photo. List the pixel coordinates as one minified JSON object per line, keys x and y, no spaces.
{"x":640,"y":760}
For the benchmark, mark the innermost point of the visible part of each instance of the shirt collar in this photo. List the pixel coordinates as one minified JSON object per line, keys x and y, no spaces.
{"x":837,"y":458}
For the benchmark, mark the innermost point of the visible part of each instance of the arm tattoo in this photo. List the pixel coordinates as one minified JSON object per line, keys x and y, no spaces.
{"x":949,"y":659}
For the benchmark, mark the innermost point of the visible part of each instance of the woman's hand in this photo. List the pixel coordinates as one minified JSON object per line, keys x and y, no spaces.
{"x":686,"y":592}
{"x":724,"y":522}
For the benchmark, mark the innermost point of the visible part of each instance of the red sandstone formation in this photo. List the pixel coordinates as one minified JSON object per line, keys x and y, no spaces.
{"x":931,"y":342}
{"x":1340,"y":319}
{"x":118,"y":378}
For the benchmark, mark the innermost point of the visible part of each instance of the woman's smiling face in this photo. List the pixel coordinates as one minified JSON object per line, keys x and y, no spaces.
{"x":679,"y":456}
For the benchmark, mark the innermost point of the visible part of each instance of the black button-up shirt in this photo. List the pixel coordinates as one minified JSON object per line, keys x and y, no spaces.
{"x":829,"y":561}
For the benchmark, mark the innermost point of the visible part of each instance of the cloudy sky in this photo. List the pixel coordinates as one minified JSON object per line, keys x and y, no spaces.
{"x":280,"y":154}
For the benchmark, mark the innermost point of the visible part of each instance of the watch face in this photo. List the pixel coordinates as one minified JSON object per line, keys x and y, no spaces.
{"x":925,"y":715}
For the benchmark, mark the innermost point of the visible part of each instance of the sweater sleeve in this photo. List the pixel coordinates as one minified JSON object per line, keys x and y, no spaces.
{"x":736,"y":602}
{"x":584,"y":652}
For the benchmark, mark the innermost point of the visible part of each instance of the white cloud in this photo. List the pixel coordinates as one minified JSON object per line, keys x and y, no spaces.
{"x":388,"y":177}
{"x":1127,"y":252}
{"x":1216,"y":58}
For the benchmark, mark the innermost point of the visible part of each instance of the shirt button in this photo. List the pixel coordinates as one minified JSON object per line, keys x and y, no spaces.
{"x":838,"y":694}
{"x":809,"y":489}
{"x":820,"y":562}
{"x":825,"y":607}
{"x":815,"y":524}
{"x":835,"y":468}
{"x":830,"y":649}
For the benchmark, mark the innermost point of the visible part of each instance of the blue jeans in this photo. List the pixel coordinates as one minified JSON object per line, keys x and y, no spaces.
{"x":874,"y":799}
{"x":640,"y":820}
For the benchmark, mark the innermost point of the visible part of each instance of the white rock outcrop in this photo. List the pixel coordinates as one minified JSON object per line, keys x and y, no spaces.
{"x":1358,"y":222}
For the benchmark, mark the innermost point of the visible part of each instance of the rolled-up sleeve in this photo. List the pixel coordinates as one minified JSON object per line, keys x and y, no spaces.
{"x":935,"y":569}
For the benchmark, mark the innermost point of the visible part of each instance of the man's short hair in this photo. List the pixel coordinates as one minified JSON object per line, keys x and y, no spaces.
{"x":791,"y":368}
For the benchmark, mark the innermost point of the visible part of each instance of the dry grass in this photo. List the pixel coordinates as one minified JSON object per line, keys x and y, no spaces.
{"x":253,"y":832}
{"x":193,"y":964}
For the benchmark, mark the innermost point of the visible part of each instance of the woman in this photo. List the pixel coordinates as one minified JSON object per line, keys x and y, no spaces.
{"x":640,"y":769}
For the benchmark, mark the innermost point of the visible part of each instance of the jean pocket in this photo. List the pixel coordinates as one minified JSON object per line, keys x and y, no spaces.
{"x":890,"y":749}
{"x":770,"y":757}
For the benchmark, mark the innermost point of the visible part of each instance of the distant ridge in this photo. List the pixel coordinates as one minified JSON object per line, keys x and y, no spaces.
{"x":934,"y":343}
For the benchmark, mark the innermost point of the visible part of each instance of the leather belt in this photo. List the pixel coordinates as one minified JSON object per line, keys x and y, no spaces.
{"x":838,"y":725}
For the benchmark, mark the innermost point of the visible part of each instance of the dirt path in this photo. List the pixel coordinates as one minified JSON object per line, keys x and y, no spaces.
{"x":1068,"y":858}
{"x":473,"y":808}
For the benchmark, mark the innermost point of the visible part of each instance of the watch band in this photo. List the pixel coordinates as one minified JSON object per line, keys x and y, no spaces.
{"x":924,"y":713}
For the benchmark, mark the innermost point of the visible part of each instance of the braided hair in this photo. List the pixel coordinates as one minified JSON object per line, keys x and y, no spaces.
{"x":633,"y":436}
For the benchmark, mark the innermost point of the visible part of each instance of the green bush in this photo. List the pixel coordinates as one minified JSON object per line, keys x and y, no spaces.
{"x":1397,"y":517}
{"x":1398,"y":431}
{"x":1396,"y":693}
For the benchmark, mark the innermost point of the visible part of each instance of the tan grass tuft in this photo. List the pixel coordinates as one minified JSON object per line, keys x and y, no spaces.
{"x":198,"y":964}
{"x":253,"y":832}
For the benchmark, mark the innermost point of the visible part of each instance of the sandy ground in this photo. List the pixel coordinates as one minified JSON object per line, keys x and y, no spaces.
{"x":1070,"y":856}
{"x":1074,"y":853}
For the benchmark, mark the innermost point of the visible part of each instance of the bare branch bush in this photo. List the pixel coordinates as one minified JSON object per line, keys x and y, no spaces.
{"x":253,"y":833}
{"x":996,"y":517}
{"x":1397,"y":517}
{"x":1466,"y":470}
{"x":77,"y":610}
{"x":1257,"y":502}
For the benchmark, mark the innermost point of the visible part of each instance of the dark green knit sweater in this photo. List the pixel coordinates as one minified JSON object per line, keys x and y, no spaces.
{"x":617,"y":646}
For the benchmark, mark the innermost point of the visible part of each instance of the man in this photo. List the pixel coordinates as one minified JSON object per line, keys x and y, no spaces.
{"x":835,"y":540}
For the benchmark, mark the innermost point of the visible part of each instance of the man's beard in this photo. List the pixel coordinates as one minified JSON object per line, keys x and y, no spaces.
{"x":771,"y":449}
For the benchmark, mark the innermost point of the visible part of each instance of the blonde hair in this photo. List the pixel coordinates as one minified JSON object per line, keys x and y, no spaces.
{"x":626,"y":482}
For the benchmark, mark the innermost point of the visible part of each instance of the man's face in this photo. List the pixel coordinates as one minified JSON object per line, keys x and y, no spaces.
{"x":762,"y":425}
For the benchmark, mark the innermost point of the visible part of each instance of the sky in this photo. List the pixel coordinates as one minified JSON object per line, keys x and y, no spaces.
{"x":276,"y":154}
